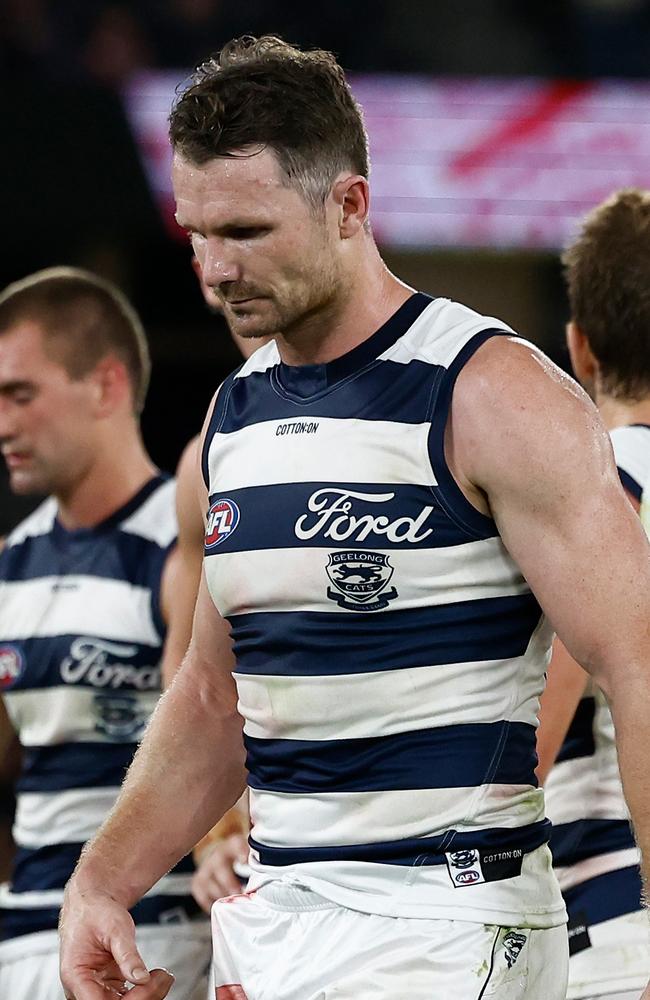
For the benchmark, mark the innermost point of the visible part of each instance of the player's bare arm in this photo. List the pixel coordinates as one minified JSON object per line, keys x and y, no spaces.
{"x":539,"y":459}
{"x":566,"y":684}
{"x":182,"y":574}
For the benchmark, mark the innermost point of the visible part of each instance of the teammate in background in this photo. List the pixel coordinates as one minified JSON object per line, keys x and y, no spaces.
{"x":380,"y":481}
{"x":87,"y":591}
{"x":596,"y":859}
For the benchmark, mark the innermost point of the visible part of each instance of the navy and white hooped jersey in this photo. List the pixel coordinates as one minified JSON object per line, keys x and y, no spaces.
{"x":390,"y":655}
{"x":592,"y":843}
{"x":81,"y":636}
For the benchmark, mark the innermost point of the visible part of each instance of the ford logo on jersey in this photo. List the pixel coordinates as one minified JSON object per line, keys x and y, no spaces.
{"x":223,"y":518}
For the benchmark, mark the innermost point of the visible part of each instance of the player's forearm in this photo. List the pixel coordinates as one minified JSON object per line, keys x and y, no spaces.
{"x":187,"y":773}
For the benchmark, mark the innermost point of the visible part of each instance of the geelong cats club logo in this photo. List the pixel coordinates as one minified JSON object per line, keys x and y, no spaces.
{"x":223,"y":518}
{"x":360,"y":580}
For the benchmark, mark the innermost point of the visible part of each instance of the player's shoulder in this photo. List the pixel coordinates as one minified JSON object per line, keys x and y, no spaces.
{"x":441,"y":332}
{"x":154,"y":518}
{"x":39,"y":522}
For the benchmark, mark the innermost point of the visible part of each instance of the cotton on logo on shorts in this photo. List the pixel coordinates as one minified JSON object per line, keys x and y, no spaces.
{"x":11,"y":666}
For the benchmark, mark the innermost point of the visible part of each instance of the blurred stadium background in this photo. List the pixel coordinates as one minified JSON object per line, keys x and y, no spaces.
{"x":494,"y":125}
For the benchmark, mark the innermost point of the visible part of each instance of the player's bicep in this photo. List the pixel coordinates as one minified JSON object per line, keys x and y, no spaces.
{"x":547,"y":468}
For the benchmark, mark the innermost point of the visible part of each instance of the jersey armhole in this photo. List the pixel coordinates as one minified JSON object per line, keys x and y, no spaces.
{"x":216,"y":419}
{"x":449,"y":493}
{"x":630,"y":484}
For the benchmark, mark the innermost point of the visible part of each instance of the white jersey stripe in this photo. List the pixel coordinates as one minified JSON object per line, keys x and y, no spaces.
{"x":286,"y":820}
{"x":38,"y":523}
{"x":632,"y":451}
{"x":77,"y":605}
{"x":355,"y":706}
{"x":439,"y":333}
{"x":169,"y":885}
{"x":70,"y":715}
{"x":61,"y":817}
{"x":155,"y":519}
{"x":375,"y":451}
{"x":573,"y":790}
{"x":471,"y":572}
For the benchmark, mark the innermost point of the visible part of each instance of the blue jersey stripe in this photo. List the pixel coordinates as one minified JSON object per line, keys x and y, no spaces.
{"x":154,"y":910}
{"x":605,"y":896}
{"x":579,"y":740}
{"x":305,"y":643}
{"x":588,"y":838}
{"x":461,"y":756}
{"x":50,"y":867}
{"x":630,"y":484}
{"x":75,"y":765}
{"x":285,"y":503}
{"x":456,"y":504}
{"x":129,"y":558}
{"x":305,"y":380}
{"x":415,"y":850}
{"x":387,"y":390}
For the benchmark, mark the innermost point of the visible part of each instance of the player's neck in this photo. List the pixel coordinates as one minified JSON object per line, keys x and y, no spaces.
{"x":618,"y":412}
{"x":372,"y":299}
{"x":121,"y":469}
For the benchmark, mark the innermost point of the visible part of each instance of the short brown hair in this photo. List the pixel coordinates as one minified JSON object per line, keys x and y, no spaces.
{"x":607,"y":270}
{"x":88,"y":318}
{"x":265,"y":93}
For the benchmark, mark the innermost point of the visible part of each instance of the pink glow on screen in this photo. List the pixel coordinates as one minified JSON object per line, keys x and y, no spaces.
{"x":466,"y":163}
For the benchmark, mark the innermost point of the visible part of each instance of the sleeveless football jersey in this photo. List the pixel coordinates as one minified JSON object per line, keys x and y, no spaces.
{"x":81,"y":636}
{"x":594,"y":852}
{"x":390,"y":654}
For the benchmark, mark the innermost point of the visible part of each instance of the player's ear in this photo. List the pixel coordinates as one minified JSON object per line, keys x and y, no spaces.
{"x":583,"y":361}
{"x":110,"y":386}
{"x":351,"y":195}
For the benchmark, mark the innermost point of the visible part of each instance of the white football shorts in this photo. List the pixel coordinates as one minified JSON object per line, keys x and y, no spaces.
{"x":285,"y":942}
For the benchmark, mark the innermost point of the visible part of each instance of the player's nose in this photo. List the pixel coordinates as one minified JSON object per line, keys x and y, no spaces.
{"x":220,"y":265}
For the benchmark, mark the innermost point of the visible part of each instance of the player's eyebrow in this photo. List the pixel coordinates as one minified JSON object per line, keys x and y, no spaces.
{"x":16,"y":385}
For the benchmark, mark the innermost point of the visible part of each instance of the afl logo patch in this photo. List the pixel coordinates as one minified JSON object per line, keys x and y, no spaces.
{"x":223,"y":518}
{"x":467,"y":878}
{"x":11,"y":666}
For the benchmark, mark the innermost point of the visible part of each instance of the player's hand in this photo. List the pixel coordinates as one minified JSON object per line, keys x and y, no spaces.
{"x":646,"y":993}
{"x":99,"y":957}
{"x":214,"y":877}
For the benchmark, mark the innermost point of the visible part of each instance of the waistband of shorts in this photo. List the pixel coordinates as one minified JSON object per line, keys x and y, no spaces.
{"x":284,"y":895}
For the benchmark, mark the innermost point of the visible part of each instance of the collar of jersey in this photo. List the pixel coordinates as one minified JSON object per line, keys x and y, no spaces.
{"x":304,"y":382}
{"x":63,"y":534}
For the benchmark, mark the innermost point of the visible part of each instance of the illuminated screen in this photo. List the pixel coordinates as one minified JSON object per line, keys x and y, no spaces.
{"x":466,"y":163}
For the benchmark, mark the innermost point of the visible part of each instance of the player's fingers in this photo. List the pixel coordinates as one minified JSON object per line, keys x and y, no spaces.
{"x":201,"y":895}
{"x":224,"y":882}
{"x":159,"y":985}
{"x":128,"y":958}
{"x":89,"y":989}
